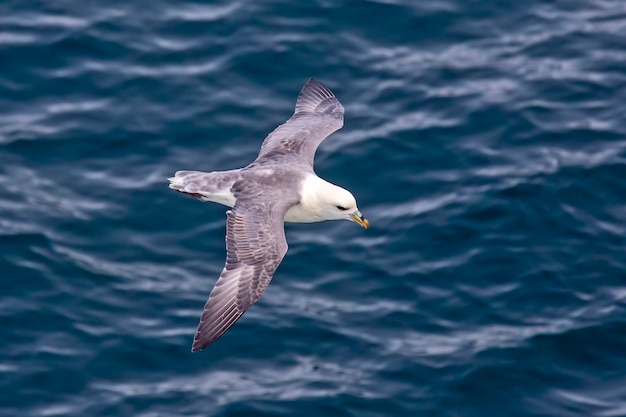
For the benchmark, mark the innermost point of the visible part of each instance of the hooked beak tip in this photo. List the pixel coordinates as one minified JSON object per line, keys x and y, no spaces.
{"x":359,"y":219}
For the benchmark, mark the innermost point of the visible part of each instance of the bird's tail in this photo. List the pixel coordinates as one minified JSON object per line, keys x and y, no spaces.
{"x":206,"y":186}
{"x":183,"y":182}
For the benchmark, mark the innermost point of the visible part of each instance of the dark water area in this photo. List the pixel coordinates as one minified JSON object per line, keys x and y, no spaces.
{"x":484,"y":140}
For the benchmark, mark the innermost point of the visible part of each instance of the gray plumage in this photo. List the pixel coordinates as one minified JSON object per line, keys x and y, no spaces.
{"x":261,"y":195}
{"x":318,"y":114}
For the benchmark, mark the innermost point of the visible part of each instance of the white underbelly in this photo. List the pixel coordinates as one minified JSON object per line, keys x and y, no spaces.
{"x":226,"y":198}
{"x":297,"y":215}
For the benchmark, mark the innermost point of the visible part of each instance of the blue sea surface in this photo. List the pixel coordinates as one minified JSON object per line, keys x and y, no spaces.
{"x":485,"y":141}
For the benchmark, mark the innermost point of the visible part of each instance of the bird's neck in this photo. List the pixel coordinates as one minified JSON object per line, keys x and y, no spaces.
{"x":313,"y":192}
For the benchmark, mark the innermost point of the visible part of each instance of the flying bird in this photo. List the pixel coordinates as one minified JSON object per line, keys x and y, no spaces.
{"x":279,"y":186}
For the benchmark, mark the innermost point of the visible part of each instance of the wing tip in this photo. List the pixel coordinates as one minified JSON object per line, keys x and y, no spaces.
{"x":199,"y":344}
{"x":315,"y":97}
{"x":314,"y":82}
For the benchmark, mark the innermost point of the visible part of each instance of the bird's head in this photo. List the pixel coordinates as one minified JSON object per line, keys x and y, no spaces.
{"x":336,"y":203}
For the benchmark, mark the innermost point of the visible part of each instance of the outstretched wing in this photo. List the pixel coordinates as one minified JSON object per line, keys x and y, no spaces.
{"x":318,"y":114}
{"x":255,"y":245}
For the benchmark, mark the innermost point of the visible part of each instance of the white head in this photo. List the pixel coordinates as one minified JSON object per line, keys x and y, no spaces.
{"x":330,"y":202}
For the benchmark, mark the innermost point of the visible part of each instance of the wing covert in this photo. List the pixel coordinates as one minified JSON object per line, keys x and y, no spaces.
{"x":317,"y":114}
{"x":255,"y":246}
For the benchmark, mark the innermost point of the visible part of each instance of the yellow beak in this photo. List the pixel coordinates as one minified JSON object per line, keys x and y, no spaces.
{"x":357,"y":217}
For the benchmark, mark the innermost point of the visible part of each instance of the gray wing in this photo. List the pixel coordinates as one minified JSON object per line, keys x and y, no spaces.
{"x":255,"y":245}
{"x":318,"y":114}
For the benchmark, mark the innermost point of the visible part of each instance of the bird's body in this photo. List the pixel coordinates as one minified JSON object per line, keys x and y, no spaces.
{"x":279,"y":186}
{"x":216,"y":187}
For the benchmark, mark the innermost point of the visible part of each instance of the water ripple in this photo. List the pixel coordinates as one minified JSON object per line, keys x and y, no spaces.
{"x":484,"y":142}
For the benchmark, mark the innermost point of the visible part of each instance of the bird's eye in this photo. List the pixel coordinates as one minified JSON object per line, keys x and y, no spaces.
{"x":342,"y":208}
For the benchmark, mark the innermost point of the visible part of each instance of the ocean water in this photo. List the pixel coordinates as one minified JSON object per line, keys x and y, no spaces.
{"x":484,"y":140}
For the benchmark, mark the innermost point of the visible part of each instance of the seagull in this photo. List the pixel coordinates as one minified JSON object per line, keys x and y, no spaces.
{"x":279,"y":186}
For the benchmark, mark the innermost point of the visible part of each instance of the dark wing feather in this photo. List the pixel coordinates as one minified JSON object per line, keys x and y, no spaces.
{"x":318,"y":114}
{"x":255,"y":244}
